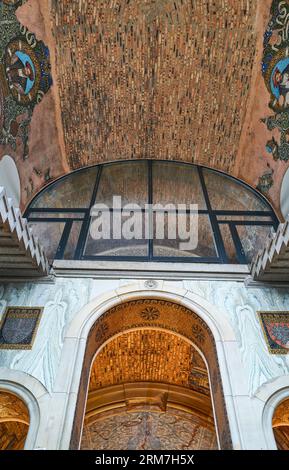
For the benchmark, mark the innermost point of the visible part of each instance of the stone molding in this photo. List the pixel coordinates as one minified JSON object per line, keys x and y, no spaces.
{"x":21,"y":254}
{"x":272,"y":263}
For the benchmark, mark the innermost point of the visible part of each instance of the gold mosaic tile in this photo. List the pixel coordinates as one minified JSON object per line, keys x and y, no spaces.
{"x":154,"y":79}
{"x":149,"y":356}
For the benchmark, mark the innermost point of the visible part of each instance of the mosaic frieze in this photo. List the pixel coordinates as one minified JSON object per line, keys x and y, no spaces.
{"x":25,"y":77}
{"x":275,"y":70}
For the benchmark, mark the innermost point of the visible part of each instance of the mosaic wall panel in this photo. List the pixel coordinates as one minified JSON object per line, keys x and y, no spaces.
{"x":275,"y":69}
{"x":173,"y":430}
{"x":19,"y":327}
{"x":275,"y":326}
{"x":25,"y":75}
{"x":62,"y":300}
{"x":25,"y":79}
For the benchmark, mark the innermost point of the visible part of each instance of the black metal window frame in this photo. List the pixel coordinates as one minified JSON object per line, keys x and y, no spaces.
{"x":213,"y":216}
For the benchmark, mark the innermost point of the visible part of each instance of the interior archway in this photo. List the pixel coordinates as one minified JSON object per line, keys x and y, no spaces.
{"x":149,"y":389}
{"x":184,"y":331}
{"x":14,"y":422}
{"x":280,"y":423}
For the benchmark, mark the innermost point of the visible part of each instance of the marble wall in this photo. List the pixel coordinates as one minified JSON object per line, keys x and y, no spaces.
{"x":240,"y":305}
{"x":65,"y":297}
{"x":250,"y":366}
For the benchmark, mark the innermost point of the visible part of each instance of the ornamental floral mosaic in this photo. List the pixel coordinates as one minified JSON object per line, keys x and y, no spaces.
{"x":275,"y":70}
{"x":25,"y":76}
{"x":275,"y":326}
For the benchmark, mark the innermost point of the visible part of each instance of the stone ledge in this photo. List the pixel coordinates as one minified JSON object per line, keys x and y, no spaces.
{"x":151,"y":270}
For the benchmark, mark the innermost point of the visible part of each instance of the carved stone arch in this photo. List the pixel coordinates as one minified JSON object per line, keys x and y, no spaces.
{"x":273,"y":395}
{"x":165,"y":315}
{"x":29,"y":391}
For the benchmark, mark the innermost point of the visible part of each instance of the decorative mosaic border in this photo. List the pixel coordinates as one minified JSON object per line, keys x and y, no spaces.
{"x":276,"y":320}
{"x":21,"y":313}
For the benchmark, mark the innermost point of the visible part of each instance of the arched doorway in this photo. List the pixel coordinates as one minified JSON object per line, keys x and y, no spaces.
{"x":14,"y":422}
{"x":149,"y":389}
{"x":162,"y":324}
{"x":280,"y":423}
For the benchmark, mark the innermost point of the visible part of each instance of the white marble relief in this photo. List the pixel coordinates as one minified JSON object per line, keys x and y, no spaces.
{"x":44,"y":357}
{"x":66,"y":297}
{"x":101,"y":286}
{"x":240,"y":305}
{"x":3,"y":302}
{"x":61,"y":301}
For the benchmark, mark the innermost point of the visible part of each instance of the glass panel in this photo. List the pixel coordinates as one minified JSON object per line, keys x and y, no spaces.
{"x":73,"y":191}
{"x":128,"y":180}
{"x":205,"y":242}
{"x":253,"y":238}
{"x":49,"y":234}
{"x":121,"y":246}
{"x":173,"y":183}
{"x":56,"y":215}
{"x":72,"y":240}
{"x":229,"y":243}
{"x":177,"y":184}
{"x":226,"y":193}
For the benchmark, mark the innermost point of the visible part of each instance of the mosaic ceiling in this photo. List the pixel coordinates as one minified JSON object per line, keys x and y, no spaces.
{"x":149,"y":356}
{"x":156,"y":79}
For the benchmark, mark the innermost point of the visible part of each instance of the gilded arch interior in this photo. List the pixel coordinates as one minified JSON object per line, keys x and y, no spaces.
{"x":280,"y":425}
{"x":149,"y":389}
{"x":14,"y":422}
{"x":161,"y":315}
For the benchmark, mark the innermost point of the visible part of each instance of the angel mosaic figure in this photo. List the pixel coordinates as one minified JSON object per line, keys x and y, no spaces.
{"x":281,"y":83}
{"x":21,"y":73}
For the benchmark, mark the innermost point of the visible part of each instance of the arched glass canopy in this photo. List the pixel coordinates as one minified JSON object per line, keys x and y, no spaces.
{"x":232,"y":220}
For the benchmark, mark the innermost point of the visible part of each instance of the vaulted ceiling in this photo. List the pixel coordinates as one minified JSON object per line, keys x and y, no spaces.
{"x":150,"y":79}
{"x":142,"y":379}
{"x":155,"y":79}
{"x":149,"y":356}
